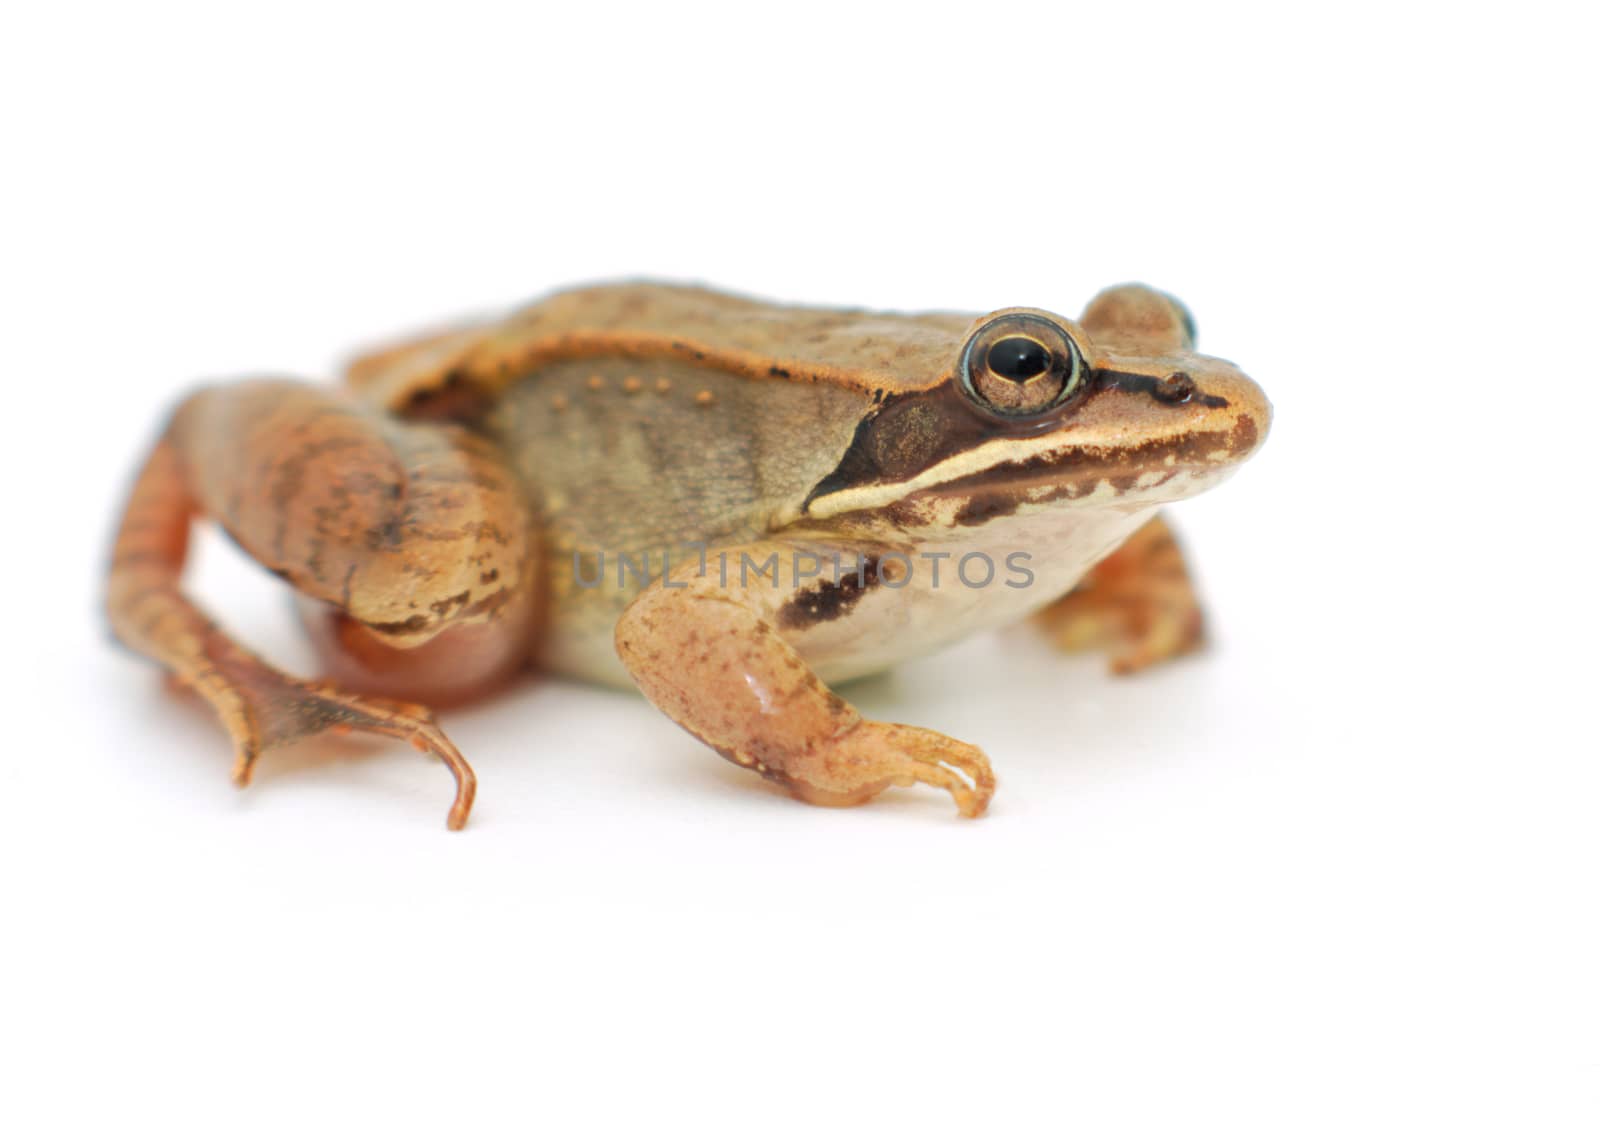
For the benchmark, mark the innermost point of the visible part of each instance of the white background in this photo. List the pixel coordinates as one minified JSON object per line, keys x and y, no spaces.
{"x":1338,"y":872}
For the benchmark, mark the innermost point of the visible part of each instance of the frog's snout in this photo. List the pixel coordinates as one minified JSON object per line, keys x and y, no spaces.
{"x":1244,"y":415}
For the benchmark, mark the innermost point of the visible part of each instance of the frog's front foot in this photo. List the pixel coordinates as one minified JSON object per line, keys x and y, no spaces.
{"x":869,"y":757}
{"x":716,"y":656}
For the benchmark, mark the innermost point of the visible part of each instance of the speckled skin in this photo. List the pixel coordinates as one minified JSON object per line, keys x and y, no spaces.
{"x":434,"y":516}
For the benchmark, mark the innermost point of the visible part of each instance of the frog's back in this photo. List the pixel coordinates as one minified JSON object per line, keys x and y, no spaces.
{"x":867,"y":350}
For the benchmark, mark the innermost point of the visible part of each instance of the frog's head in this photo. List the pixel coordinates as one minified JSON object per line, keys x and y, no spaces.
{"x":1113,"y":410}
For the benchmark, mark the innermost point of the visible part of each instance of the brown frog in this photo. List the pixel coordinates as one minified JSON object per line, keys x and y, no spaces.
{"x":729,"y":503}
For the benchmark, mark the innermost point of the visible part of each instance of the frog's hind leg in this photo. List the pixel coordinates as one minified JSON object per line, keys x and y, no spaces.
{"x":393,"y":528}
{"x":1138,"y":603}
{"x":711,"y":649}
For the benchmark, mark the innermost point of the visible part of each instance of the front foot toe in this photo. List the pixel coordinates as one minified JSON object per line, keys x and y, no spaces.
{"x":870,"y":757}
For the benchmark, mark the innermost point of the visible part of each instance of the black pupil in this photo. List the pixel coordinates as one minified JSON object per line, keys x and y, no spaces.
{"x":1017,"y":359}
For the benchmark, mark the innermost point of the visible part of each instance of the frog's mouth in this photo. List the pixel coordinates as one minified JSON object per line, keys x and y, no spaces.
{"x":1089,"y":478}
{"x":1160,"y":471}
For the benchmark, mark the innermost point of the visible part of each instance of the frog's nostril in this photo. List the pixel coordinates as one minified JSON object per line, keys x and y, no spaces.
{"x":1175,"y":388}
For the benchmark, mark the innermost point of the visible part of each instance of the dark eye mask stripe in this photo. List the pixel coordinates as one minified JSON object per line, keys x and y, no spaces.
{"x":907,"y":433}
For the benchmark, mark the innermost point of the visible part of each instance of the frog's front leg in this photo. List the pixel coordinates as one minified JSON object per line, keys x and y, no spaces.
{"x":410,"y":539}
{"x":1138,"y":603}
{"x":707,"y":646}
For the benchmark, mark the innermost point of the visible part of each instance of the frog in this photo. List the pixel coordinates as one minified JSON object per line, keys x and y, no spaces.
{"x":733,"y":505}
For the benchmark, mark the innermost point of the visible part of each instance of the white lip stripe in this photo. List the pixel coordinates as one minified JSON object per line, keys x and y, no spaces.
{"x":969,"y":462}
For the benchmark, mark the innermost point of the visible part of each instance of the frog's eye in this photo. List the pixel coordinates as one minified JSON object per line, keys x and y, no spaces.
{"x":1021,"y":364}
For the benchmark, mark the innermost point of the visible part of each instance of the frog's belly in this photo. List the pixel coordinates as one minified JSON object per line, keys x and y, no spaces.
{"x":1009,"y":568}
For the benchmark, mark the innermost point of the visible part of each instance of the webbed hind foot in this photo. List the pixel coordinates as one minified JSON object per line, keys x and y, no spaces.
{"x":262,"y":709}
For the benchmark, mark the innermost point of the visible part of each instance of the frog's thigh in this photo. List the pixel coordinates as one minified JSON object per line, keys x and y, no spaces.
{"x":713,"y":657}
{"x":1138,"y":603}
{"x":356,"y":511}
